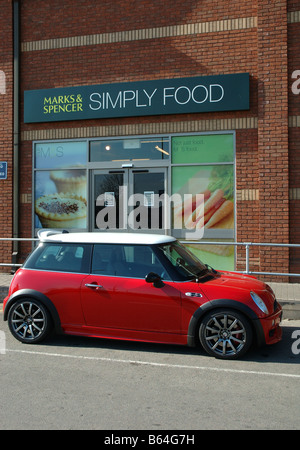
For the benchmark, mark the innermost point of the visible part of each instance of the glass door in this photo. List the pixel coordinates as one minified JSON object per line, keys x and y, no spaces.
{"x":129,"y":199}
{"x":146,"y":203}
{"x":108,"y":199}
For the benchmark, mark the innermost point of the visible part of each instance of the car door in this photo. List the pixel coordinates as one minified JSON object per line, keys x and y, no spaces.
{"x":115,"y":295}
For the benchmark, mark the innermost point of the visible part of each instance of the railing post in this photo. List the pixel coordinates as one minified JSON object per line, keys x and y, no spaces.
{"x":247,"y":256}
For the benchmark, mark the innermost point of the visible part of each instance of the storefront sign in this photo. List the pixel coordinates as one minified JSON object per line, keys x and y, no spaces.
{"x":142,"y":98}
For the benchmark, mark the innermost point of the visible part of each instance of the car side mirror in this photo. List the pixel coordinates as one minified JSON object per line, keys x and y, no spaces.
{"x":154,"y":278}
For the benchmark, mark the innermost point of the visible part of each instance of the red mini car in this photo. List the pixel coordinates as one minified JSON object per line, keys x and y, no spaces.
{"x":137,"y":287}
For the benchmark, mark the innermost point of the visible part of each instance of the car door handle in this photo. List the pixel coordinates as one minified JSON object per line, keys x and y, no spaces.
{"x":93,"y":285}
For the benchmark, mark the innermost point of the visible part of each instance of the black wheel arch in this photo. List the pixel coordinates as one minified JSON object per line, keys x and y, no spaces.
{"x":25,"y":293}
{"x":224,"y":303}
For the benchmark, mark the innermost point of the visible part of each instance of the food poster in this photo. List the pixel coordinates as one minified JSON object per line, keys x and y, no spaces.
{"x":206,"y":167}
{"x":60,"y":185}
{"x":220,"y":257}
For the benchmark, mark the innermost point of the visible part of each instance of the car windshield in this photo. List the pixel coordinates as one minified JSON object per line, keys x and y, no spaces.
{"x":187,"y":265}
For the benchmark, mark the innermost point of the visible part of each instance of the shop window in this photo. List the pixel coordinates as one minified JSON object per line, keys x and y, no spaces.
{"x":186,"y":166}
{"x":215,"y":183}
{"x":136,"y":149}
{"x":60,"y":185}
{"x":204,"y":164}
{"x":203,"y":149}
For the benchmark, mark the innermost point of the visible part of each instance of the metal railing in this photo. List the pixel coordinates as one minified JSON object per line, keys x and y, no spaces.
{"x":15,"y":240}
{"x":247,"y":245}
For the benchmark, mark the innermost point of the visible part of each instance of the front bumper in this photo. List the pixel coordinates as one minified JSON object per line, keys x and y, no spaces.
{"x":271,"y":326}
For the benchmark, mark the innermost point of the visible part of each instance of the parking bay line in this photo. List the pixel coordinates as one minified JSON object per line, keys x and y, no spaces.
{"x":154,"y":364}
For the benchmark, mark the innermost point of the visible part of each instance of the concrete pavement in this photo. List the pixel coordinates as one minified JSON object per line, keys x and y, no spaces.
{"x":288,"y":295}
{"x":5,"y":280}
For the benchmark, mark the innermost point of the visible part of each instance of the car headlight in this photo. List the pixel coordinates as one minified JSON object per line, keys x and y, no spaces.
{"x":259,"y":302}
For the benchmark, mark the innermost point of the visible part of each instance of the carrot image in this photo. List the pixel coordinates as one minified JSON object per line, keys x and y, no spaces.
{"x":211,"y":202}
{"x":209,"y":205}
{"x":212,"y":210}
{"x":218,"y":204}
{"x":181,"y":211}
{"x":191,"y":222}
{"x":225,"y":209}
{"x":179,"y":208}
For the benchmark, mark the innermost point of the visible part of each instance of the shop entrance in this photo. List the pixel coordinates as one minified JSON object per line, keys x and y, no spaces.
{"x":129,"y":199}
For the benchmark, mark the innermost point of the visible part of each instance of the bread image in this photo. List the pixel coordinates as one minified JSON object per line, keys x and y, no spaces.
{"x":70,"y":181}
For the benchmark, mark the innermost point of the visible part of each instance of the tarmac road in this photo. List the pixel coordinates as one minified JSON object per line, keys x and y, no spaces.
{"x":83,"y":383}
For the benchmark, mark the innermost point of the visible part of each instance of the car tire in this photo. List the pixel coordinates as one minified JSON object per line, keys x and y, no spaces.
{"x":29,"y":321}
{"x":225,"y":334}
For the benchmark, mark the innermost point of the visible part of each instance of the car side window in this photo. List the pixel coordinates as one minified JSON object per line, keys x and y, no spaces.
{"x":60,"y":258}
{"x":134,"y":261}
{"x":101,"y":261}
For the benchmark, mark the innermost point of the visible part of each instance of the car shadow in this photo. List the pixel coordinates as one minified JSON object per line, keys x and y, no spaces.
{"x":287,"y":351}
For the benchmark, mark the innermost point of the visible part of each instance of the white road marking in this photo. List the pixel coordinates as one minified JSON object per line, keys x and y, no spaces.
{"x":154,"y":364}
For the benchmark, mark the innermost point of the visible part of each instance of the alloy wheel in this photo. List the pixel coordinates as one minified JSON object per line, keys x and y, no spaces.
{"x":28,"y":321}
{"x":225,"y":334}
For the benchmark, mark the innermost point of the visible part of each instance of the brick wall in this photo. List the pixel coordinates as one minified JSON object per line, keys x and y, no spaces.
{"x":6,"y":126}
{"x":273,"y":132}
{"x":90,"y":42}
{"x":294,"y":131}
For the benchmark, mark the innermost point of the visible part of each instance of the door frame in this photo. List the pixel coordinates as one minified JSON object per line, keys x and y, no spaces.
{"x":128,"y":171}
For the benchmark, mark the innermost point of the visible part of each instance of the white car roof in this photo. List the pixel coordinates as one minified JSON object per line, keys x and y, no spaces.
{"x":105,"y":238}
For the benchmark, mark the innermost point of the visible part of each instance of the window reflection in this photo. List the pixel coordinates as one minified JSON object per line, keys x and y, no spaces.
{"x":130,"y":149}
